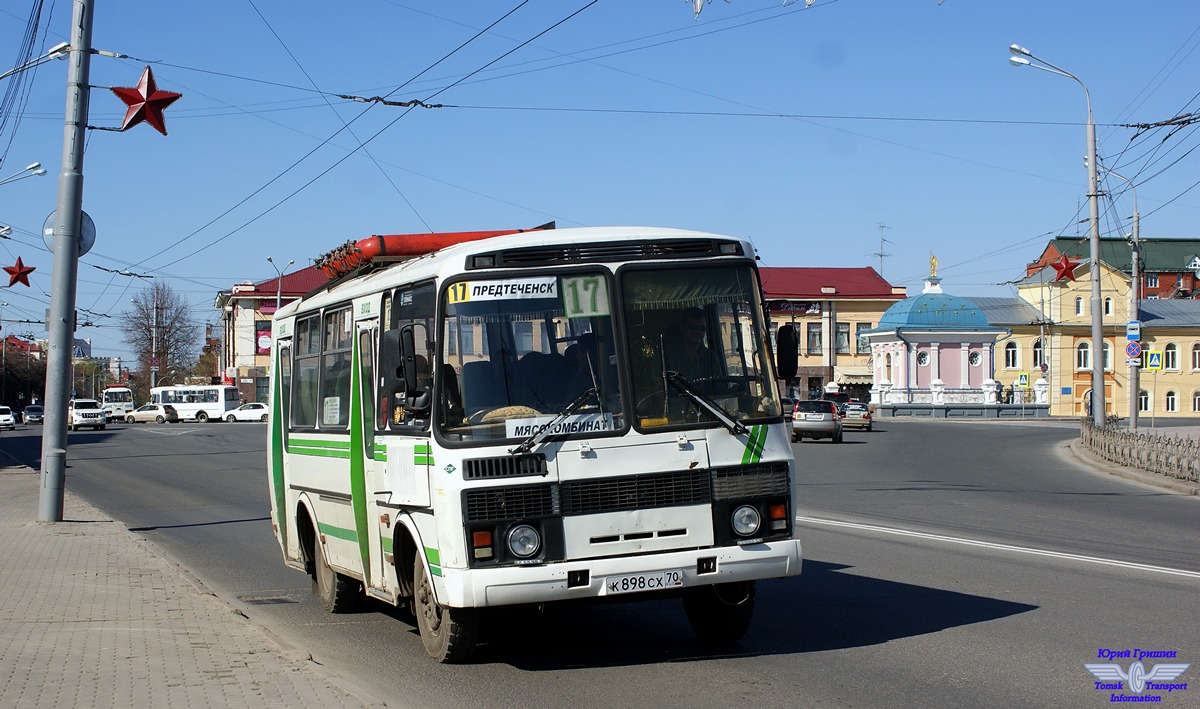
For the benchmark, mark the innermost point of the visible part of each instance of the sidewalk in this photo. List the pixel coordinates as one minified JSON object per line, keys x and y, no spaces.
{"x":92,"y":616}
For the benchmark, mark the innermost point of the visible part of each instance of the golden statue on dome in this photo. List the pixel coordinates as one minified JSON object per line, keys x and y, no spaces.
{"x":933,"y":262}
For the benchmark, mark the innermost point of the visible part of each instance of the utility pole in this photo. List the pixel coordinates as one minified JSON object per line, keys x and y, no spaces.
{"x":67,"y":238}
{"x":880,"y":253}
{"x":154,"y":343}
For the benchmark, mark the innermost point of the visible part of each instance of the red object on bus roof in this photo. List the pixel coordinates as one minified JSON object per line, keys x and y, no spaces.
{"x":353,"y":254}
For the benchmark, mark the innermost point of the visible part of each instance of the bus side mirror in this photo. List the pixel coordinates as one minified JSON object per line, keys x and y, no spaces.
{"x":787,"y":352}
{"x":417,"y":399}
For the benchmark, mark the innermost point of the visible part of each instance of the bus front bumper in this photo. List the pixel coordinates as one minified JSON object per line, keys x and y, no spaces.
{"x":596,"y":578}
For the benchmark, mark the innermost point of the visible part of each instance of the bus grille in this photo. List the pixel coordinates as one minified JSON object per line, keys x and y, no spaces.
{"x":744,"y":481}
{"x":505,"y":467}
{"x":497,"y":503}
{"x":557,"y":254}
{"x":691,"y":487}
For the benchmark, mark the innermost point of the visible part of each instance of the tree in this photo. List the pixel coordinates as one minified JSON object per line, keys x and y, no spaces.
{"x":159,"y":325}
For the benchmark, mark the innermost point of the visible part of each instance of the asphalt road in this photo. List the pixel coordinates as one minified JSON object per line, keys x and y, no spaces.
{"x":947,"y":564}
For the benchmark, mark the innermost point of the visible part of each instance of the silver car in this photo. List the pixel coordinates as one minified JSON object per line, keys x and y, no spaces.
{"x":816,"y":419}
{"x":856,"y":415}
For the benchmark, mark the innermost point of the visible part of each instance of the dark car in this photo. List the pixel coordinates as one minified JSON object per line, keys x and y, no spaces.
{"x":816,"y":419}
{"x":856,"y":414}
{"x":789,"y":405}
{"x":33,"y":413}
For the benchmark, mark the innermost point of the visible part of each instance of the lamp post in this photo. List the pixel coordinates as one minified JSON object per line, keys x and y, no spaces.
{"x":1023,"y":57}
{"x":35,"y":169}
{"x":3,"y":358}
{"x":278,"y":280}
{"x":1135,"y":294}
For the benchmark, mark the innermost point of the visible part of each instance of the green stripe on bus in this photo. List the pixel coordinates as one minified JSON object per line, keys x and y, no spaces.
{"x":754,"y":445}
{"x":320,"y":443}
{"x":380,"y":453}
{"x":337,"y":532}
{"x":386,"y":543}
{"x":318,"y":452}
{"x":277,"y":445}
{"x":358,"y":465}
{"x":423,"y":460}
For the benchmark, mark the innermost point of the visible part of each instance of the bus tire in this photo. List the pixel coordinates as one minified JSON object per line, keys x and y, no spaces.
{"x":720,"y":614}
{"x":338,"y":593}
{"x":201,"y":417}
{"x":448,"y":634}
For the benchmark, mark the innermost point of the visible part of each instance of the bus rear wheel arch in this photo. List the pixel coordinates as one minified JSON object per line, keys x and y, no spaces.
{"x":338,"y":593}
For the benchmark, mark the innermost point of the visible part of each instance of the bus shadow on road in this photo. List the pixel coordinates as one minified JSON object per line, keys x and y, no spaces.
{"x":823,"y":609}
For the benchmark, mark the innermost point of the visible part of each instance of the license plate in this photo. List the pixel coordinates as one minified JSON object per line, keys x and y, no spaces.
{"x":653,"y":581}
{"x":813,"y":417}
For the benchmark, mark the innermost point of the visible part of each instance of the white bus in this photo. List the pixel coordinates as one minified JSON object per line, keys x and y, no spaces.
{"x":116,"y":402}
{"x":503,"y":421}
{"x":201,"y":403}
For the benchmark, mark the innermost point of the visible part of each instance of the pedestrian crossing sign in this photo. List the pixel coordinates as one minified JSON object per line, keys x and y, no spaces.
{"x":1022,"y":380}
{"x":1154,"y":360}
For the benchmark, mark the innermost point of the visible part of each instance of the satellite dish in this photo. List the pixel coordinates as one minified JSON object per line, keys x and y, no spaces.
{"x":87,"y":229}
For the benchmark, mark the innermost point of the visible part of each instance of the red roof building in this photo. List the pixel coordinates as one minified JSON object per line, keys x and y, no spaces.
{"x":246,"y":312}
{"x":829,"y":307}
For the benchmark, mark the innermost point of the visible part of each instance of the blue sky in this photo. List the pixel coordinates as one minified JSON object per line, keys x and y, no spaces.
{"x":802,"y":128}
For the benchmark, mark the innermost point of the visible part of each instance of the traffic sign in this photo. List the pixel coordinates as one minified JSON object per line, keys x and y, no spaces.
{"x":1133,"y":330}
{"x":1133,"y":349}
{"x":1022,"y":380}
{"x":1154,"y":360}
{"x":154,"y":361}
{"x":1134,"y":362}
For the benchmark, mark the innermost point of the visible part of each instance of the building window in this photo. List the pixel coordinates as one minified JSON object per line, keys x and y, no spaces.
{"x":1079,"y":305}
{"x":1107,"y":306}
{"x":1083,"y":355}
{"x":974,"y":359}
{"x":1171,"y":357}
{"x":864,"y":347}
{"x":1037,"y":353}
{"x":1171,"y":404}
{"x":1196,"y":356}
{"x":814,"y":338}
{"x":1107,"y":355}
{"x":1152,"y":280}
{"x":262,"y":337}
{"x":841,"y":342}
{"x":1144,"y":401}
{"x":260,"y":388}
{"x":923,"y":359}
{"x":1011,"y":361}
{"x":1196,"y":402}
{"x":1152,"y":296}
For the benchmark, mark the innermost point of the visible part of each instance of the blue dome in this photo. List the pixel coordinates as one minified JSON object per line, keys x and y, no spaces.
{"x":933,"y":311}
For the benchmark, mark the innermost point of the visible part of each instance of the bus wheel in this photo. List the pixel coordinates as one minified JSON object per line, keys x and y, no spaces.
{"x":338,"y":593}
{"x":201,"y":417}
{"x":720,"y":614}
{"x":448,"y":634}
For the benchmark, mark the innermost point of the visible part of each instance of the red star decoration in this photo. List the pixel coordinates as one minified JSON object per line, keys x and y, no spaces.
{"x":145,"y":102}
{"x":1065,"y":267}
{"x":19,"y":273}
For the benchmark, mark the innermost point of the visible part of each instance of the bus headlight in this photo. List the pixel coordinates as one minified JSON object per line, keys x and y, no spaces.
{"x":746,"y":520}
{"x":524,"y":541}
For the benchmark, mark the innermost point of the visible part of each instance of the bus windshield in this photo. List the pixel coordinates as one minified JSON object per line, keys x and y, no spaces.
{"x":697,"y":346}
{"x":523,"y":352}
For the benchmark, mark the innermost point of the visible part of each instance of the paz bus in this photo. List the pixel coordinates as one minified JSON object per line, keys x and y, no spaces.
{"x":116,"y":402}
{"x":478,"y":419}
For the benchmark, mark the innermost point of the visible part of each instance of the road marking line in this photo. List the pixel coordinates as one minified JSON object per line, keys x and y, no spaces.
{"x":1003,"y":547}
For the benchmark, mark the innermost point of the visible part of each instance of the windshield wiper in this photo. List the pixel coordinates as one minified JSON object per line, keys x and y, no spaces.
{"x":539,"y":435}
{"x":705,"y":403}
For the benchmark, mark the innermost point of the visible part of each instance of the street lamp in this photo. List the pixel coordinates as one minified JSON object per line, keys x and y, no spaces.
{"x":1135,"y":282}
{"x":29,"y":171}
{"x":278,"y":280}
{"x":1023,"y":57}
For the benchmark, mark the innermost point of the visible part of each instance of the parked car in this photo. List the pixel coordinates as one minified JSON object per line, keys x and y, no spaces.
{"x":34,"y":413}
{"x":856,"y":415}
{"x":7,"y":418}
{"x":158,"y":413}
{"x":248,"y":412}
{"x":815,"y":419}
{"x":789,"y":405}
{"x":85,"y":413}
